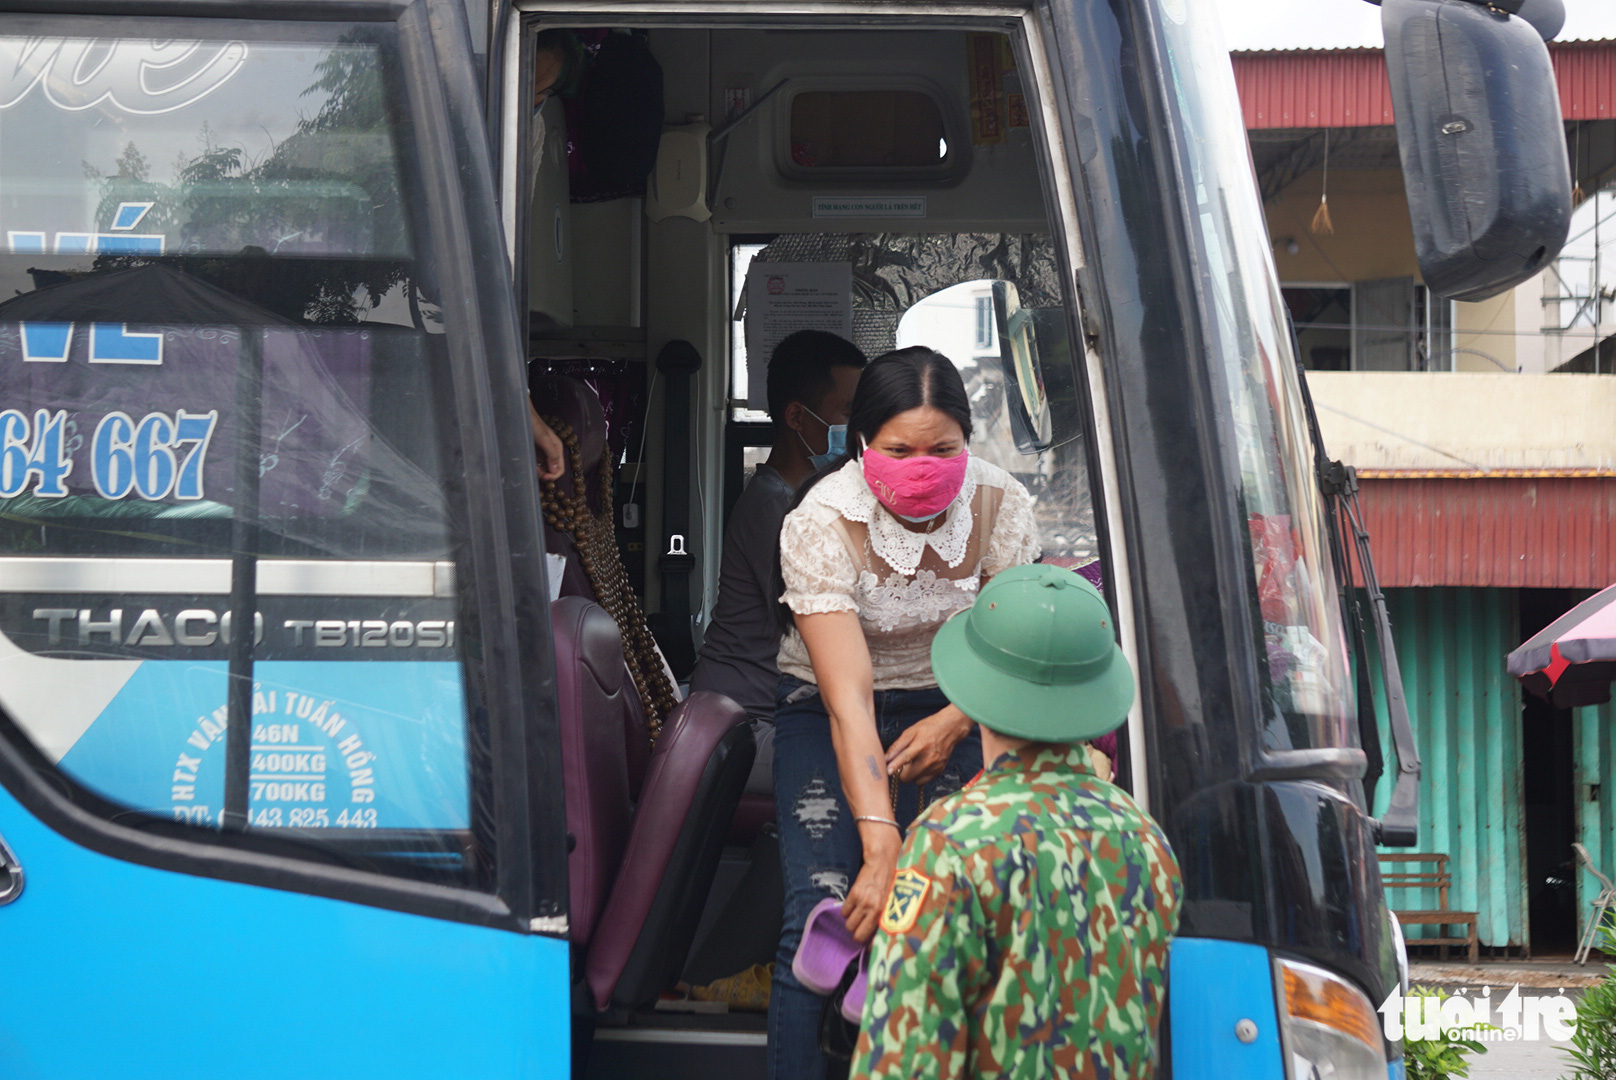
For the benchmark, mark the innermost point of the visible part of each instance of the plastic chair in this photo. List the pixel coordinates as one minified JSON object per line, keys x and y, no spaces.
{"x":1606,"y":901}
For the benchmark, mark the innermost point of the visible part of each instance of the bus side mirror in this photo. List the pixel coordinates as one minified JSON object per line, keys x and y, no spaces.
{"x":1482,"y":143}
{"x":1025,"y":393}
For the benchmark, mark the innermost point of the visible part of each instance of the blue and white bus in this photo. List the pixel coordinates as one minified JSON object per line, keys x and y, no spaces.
{"x":326,"y":738}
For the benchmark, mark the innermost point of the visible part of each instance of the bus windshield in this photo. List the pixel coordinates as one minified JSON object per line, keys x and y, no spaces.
{"x":1302,"y":652}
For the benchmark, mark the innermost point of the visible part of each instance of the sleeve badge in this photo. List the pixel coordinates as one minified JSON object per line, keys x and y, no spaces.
{"x":909,"y":890}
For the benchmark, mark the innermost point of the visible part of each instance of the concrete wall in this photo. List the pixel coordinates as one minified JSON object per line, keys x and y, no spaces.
{"x":1459,"y":420}
{"x":1372,"y":238}
{"x":1484,"y":335}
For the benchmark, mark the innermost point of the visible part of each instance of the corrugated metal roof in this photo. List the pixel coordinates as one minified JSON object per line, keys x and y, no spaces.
{"x":1270,"y":50}
{"x":1466,"y":714}
{"x":1536,"y":533}
{"x":1586,"y":72}
{"x":1348,"y":87}
{"x":1300,"y":49}
{"x":1339,"y":88}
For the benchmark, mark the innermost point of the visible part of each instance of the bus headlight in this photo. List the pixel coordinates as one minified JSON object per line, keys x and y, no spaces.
{"x":1328,"y":1027}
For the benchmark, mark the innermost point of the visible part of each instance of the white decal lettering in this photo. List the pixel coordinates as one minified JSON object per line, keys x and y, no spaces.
{"x":141,"y":77}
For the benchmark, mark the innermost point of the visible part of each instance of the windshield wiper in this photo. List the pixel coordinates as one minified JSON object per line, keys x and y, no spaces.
{"x":1399,"y":826}
{"x":1338,"y":482}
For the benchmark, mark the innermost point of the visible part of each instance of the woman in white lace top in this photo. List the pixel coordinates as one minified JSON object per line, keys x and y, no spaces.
{"x":877,"y":554}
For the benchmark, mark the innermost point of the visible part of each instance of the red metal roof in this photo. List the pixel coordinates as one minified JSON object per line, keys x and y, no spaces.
{"x":1348,"y":87}
{"x":1533,"y":533}
{"x":1340,"y":88}
{"x":1587,"y":75}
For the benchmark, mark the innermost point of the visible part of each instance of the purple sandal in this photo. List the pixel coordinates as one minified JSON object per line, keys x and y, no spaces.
{"x":857,"y":991}
{"x":826,"y":949}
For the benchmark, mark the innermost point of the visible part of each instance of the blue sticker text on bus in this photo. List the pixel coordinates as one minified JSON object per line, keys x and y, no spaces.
{"x":119,"y":241}
{"x":156,"y":457}
{"x":110,"y":343}
{"x":146,"y":457}
{"x":129,"y":215}
{"x":35,"y":451}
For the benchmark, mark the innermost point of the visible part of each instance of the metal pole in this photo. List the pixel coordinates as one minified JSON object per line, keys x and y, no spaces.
{"x":1599,"y":285}
{"x":243,"y":581}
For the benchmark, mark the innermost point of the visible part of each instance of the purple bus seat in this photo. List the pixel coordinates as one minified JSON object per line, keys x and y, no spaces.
{"x":638,"y":875}
{"x":592,"y":689}
{"x":698,"y":769}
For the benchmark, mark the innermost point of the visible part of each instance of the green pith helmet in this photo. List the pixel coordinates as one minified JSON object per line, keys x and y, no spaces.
{"x":1036,"y":658}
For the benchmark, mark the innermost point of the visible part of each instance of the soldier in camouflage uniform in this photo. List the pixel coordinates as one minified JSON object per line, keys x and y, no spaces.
{"x":1027,"y":929}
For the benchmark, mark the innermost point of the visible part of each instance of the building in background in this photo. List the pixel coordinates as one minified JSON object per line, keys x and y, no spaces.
{"x":1485,"y":438}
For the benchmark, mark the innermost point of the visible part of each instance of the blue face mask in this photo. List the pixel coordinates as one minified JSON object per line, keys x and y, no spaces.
{"x":835,"y":442}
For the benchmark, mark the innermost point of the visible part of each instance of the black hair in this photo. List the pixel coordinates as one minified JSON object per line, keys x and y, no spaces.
{"x":905,"y":379}
{"x":892,"y":383}
{"x":800,"y":368}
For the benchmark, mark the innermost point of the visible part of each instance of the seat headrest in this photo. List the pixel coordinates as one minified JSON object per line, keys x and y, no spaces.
{"x":575,"y":404}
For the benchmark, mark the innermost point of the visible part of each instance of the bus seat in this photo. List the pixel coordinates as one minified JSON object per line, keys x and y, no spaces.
{"x":592,"y":687}
{"x":638,"y":876}
{"x":697,"y":772}
{"x":753,"y":813}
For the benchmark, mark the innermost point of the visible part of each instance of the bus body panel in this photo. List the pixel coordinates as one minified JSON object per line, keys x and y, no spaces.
{"x":129,"y":971}
{"x":1215,"y":986}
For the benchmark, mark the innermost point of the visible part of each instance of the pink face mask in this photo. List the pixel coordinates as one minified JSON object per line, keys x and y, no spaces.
{"x":914,"y":488}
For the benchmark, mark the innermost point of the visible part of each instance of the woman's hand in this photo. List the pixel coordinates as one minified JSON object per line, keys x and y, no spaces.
{"x":868,"y":896}
{"x":547,"y":446}
{"x":918,"y":755}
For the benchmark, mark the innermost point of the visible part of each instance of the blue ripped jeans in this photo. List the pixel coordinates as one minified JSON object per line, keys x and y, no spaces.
{"x":820,"y":853}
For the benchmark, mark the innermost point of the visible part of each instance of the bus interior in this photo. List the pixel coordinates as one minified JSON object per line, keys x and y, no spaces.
{"x":904,"y":172}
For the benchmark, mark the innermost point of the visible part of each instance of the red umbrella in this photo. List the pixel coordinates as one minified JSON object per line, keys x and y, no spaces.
{"x":1572,"y":661}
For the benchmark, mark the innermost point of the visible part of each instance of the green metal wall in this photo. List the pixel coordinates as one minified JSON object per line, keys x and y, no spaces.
{"x":1466,"y":714}
{"x":1594,"y":731}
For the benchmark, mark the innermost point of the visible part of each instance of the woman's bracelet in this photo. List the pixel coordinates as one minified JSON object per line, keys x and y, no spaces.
{"x":878,"y":820}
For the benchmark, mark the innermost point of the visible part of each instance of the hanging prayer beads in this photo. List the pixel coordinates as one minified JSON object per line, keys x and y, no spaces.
{"x":594,"y":537}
